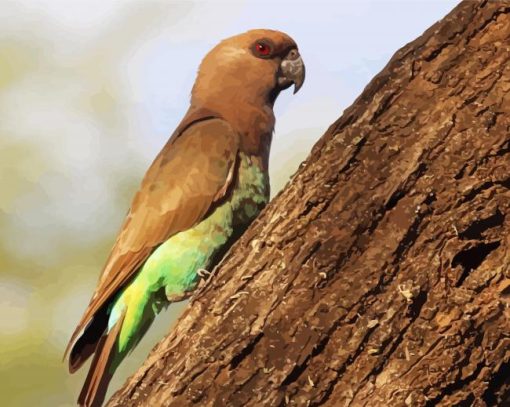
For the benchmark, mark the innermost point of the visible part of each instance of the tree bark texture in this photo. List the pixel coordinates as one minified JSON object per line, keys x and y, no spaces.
{"x":380,"y":276}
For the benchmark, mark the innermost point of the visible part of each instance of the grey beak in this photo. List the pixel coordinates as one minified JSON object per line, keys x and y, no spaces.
{"x":292,"y":71}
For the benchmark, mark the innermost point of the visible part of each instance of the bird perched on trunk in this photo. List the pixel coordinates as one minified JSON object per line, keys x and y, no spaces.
{"x":201,"y":192}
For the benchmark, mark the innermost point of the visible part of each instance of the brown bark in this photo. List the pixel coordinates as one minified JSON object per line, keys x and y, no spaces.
{"x":380,"y":276}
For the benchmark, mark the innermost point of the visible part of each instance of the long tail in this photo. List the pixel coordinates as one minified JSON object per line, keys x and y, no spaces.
{"x":102,"y":368}
{"x":111,"y":336}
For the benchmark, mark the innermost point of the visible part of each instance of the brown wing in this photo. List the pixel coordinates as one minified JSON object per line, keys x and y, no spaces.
{"x":191,"y":173}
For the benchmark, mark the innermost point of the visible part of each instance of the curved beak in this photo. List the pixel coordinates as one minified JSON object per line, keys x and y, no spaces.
{"x":292,"y":71}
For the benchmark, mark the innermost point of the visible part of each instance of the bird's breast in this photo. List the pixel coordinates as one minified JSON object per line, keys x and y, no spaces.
{"x":251,"y":191}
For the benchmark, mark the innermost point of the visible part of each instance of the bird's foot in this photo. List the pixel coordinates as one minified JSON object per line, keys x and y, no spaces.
{"x":173,"y":296}
{"x":204,"y":276}
{"x":203,"y":273}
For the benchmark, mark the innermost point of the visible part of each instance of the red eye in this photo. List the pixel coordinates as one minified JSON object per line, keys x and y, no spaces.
{"x":262,"y":49}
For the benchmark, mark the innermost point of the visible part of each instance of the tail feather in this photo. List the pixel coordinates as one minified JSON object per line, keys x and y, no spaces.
{"x":81,"y":349}
{"x":101,"y":370}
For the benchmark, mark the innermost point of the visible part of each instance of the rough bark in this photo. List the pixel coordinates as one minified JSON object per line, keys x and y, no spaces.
{"x":380,"y":276}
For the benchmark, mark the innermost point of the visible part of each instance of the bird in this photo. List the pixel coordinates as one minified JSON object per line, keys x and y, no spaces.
{"x":202,"y":191}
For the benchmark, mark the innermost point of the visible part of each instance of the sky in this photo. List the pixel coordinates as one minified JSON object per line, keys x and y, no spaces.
{"x":89,"y":93}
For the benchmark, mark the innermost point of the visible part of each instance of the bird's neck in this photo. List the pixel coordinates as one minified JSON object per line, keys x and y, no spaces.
{"x":254,"y":122}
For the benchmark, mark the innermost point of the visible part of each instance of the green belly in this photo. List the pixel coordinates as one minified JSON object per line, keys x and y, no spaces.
{"x":176,"y":262}
{"x":172,"y":268}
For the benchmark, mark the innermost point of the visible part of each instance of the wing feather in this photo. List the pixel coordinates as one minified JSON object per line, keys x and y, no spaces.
{"x":189,"y":176}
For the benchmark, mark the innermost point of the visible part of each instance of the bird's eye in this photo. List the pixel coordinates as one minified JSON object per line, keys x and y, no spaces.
{"x":263,"y":49}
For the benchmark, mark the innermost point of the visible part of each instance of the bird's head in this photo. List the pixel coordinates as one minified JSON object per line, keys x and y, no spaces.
{"x":252,"y":68}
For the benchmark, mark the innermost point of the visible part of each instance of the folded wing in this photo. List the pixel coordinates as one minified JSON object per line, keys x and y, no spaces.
{"x":191,"y":175}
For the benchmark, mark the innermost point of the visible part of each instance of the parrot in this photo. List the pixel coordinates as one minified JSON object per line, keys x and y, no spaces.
{"x":201,"y":192}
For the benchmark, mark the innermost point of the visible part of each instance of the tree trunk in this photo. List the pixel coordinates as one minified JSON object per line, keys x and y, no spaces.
{"x":380,"y":276}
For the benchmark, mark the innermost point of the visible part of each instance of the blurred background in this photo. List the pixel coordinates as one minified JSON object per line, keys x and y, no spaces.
{"x":89,"y":92}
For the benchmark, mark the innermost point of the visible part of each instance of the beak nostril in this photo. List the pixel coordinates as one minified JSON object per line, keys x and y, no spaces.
{"x":293,"y":54}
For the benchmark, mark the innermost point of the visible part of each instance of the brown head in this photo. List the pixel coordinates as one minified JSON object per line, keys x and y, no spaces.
{"x":242,"y":76}
{"x":253,"y":67}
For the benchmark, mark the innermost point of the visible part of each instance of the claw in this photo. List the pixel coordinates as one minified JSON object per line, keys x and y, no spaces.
{"x":203,"y":273}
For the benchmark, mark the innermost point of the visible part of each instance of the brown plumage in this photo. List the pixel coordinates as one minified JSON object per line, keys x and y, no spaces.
{"x":230,"y":114}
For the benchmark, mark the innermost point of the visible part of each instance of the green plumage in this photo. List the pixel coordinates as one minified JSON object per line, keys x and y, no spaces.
{"x":171,"y":270}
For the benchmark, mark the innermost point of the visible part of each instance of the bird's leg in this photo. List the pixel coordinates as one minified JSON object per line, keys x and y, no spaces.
{"x":173,"y":296}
